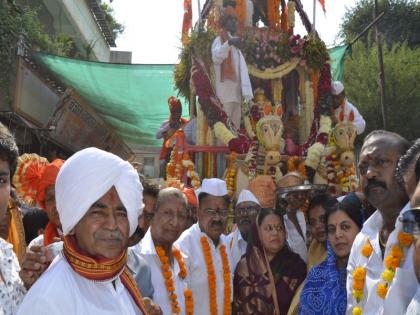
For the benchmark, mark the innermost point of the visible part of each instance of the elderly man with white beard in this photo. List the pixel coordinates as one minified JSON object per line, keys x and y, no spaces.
{"x":99,"y":198}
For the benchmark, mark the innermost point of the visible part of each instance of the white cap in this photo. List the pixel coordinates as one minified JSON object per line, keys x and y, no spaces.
{"x":212,"y":186}
{"x":337,"y":87}
{"x":246,"y":195}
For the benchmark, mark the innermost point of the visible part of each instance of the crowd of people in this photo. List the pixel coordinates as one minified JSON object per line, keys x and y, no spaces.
{"x":116,"y":243}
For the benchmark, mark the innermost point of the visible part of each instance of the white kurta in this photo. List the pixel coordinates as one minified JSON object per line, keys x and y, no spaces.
{"x":189,"y":243}
{"x":358,"y":121}
{"x":237,"y":247}
{"x":160,"y":296}
{"x":61,"y":291}
{"x":404,"y":285}
{"x":296,"y":242}
{"x":12,"y":289}
{"x":231,"y":91}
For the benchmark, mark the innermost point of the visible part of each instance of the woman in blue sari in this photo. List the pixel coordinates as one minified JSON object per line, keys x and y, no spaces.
{"x":324,"y":291}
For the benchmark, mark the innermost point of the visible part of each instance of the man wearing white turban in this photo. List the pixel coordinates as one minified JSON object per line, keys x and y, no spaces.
{"x":99,"y":198}
{"x":246,"y":211}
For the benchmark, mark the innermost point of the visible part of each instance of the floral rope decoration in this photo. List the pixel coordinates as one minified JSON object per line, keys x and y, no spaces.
{"x":359,"y":277}
{"x":211,"y":275}
{"x":169,"y":282}
{"x":392,"y":262}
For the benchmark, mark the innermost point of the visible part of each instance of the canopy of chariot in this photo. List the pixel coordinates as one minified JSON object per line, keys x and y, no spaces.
{"x":285,"y":127}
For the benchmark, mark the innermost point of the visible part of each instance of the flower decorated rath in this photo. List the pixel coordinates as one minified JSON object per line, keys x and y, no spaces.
{"x":169,"y":282}
{"x":211,"y":276}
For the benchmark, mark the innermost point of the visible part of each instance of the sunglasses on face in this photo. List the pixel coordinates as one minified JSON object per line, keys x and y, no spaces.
{"x":411,"y":221}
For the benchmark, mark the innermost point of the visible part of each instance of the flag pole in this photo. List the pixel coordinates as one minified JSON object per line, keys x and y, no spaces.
{"x":314,"y":15}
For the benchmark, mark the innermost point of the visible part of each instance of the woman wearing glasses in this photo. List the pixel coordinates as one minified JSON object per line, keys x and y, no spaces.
{"x":268,"y":275}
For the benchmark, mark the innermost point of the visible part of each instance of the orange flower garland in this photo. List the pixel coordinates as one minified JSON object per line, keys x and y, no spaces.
{"x":169,"y":282}
{"x":359,"y":277}
{"x":392,"y":262}
{"x":212,"y":278}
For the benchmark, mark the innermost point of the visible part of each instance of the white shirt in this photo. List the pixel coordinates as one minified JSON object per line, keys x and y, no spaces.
{"x":39,"y":240}
{"x":12,"y":289}
{"x":237,"y":247}
{"x":61,"y":291}
{"x":148,"y":252}
{"x":403,"y":286}
{"x":189,"y":243}
{"x":296,"y":242}
{"x":358,"y":121}
{"x":414,"y":306}
{"x":231,"y":91}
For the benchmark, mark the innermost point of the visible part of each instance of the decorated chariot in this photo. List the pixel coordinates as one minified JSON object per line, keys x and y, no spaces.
{"x":286,"y":126}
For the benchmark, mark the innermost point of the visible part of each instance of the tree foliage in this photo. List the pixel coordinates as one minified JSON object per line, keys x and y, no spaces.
{"x":401,"y":22}
{"x":115,"y":27}
{"x":21,"y":22}
{"x":402,"y":70}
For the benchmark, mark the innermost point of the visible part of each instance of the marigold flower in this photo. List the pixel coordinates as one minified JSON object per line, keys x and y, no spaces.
{"x":358,"y":284}
{"x":392,"y":262}
{"x":357,"y":310}
{"x":367,"y":250}
{"x":358,"y":294}
{"x":397,"y":251}
{"x":388,"y":275}
{"x":359,"y":273}
{"x":405,"y":239}
{"x":382,"y":290}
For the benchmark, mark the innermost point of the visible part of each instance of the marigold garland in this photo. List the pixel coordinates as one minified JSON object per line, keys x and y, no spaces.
{"x":211,"y":275}
{"x":391,"y":262}
{"x":169,"y":282}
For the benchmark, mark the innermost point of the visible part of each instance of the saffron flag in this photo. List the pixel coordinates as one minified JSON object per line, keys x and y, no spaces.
{"x":322,"y":2}
{"x":187,"y":21}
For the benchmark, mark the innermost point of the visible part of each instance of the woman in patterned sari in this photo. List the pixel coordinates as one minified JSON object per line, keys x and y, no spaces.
{"x":268,"y":275}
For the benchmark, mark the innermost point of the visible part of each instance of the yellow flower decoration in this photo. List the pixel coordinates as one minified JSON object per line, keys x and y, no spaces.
{"x":405,"y":239}
{"x":388,"y":275}
{"x":397,"y":251}
{"x":367,"y":249}
{"x":357,"y":310}
{"x":358,"y":295}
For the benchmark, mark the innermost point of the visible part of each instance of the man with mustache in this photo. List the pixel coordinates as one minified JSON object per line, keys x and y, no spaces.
{"x":169,"y":221}
{"x":99,"y":198}
{"x":210,"y":270}
{"x":380,"y":277}
{"x":246,"y":210}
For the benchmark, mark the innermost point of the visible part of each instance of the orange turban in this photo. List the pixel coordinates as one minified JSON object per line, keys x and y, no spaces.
{"x":48,"y":177}
{"x":191,"y":198}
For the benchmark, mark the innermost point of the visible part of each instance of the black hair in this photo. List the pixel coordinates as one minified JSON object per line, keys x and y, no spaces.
{"x":352,"y":206}
{"x":266,"y":211}
{"x":9,"y":151}
{"x":324,"y":200}
{"x":34,"y":220}
{"x":411,"y":156}
{"x":402,"y":143}
{"x":150,"y":189}
{"x":203,"y":195}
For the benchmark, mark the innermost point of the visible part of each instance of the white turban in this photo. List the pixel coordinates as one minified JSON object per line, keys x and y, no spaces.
{"x":88,"y":175}
{"x":246,"y":195}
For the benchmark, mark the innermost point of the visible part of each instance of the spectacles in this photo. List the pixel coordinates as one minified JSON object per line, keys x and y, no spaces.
{"x":411,"y":221}
{"x":211,"y":212}
{"x":375,"y":162}
{"x":242,"y":211}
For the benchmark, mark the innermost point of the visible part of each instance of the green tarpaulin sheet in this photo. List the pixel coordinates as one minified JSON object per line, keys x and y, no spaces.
{"x":337,"y":61}
{"x":131,"y":98}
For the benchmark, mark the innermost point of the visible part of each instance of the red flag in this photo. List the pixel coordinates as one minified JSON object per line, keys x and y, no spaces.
{"x":187,"y":22}
{"x":322,"y":2}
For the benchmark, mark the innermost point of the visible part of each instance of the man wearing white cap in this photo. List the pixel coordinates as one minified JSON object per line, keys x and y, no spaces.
{"x":341,"y":103}
{"x":246,"y":210}
{"x":99,"y":198}
{"x":210,"y":270}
